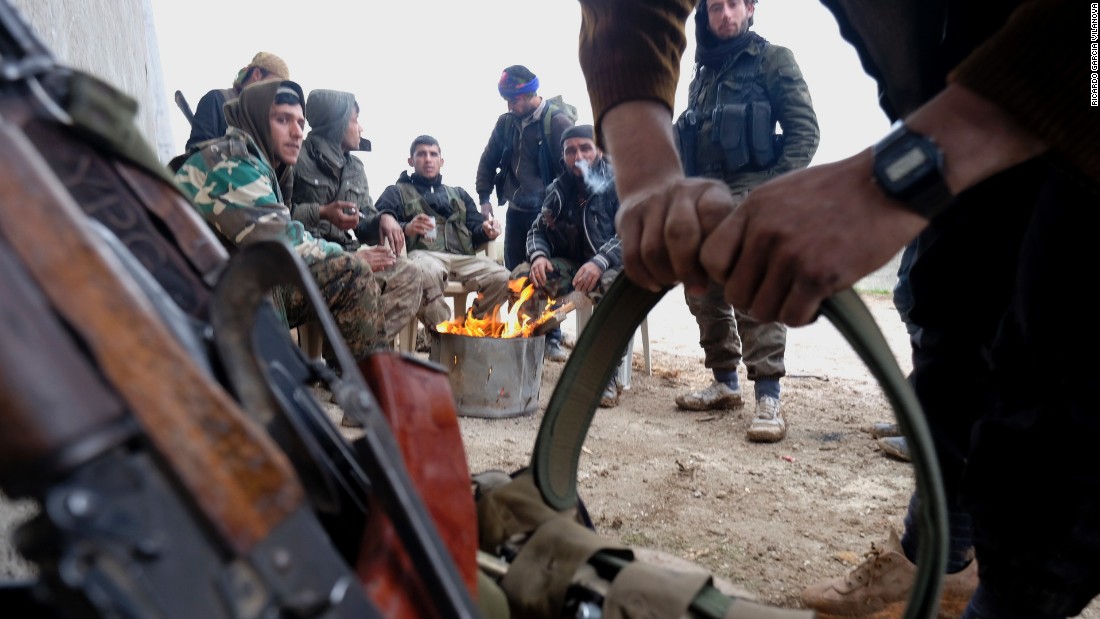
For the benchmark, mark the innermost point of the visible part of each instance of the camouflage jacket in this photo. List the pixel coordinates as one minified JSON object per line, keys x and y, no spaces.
{"x":719,"y":97}
{"x":236,"y":190}
{"x":325,"y":173}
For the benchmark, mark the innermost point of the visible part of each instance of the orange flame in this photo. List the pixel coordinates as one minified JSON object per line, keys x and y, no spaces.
{"x":515,"y":323}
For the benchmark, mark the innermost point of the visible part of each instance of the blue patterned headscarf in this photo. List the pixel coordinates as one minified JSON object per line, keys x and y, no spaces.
{"x":517,"y":80}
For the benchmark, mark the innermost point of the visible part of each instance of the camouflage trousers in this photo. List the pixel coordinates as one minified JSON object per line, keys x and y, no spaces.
{"x":728,"y":335}
{"x":559,"y":282}
{"x":354,"y":299}
{"x":477,"y":273}
{"x":431,"y":308}
{"x":402,"y":287}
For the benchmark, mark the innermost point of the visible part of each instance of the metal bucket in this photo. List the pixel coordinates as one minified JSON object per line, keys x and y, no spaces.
{"x":491,"y":377}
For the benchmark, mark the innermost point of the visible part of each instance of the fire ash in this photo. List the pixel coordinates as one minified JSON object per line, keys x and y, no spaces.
{"x":516,"y":321}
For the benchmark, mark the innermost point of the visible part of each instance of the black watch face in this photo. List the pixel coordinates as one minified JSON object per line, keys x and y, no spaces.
{"x":908,"y":167}
{"x":910,"y":164}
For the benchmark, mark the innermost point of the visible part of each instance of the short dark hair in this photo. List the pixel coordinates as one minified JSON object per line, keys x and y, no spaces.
{"x":426,"y":140}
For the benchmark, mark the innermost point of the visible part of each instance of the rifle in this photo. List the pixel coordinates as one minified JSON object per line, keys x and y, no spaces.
{"x":242,"y":513}
{"x":158,"y":432}
{"x":185,"y":107}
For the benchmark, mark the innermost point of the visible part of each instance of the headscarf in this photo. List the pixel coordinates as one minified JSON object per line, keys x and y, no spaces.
{"x":329,"y":114}
{"x":517,"y":80}
{"x":711,"y":51}
{"x":251,"y":113}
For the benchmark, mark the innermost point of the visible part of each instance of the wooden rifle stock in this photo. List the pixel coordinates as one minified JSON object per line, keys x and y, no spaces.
{"x":40,"y":429}
{"x":238,"y":478}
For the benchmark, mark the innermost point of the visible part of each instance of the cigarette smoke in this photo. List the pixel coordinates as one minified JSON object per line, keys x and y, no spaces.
{"x":598,"y":180}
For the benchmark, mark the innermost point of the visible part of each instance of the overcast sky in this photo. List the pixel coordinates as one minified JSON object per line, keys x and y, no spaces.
{"x":431,"y":66}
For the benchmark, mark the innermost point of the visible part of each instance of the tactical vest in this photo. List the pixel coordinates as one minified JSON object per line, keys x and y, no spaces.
{"x":728,"y":126}
{"x":452,"y":235}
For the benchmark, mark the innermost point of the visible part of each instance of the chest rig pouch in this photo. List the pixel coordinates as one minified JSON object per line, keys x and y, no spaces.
{"x":728,"y":126}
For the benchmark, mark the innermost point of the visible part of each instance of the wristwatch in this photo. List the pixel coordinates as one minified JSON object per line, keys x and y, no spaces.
{"x":909,"y":168}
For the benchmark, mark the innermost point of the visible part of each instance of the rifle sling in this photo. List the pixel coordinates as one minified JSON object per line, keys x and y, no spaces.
{"x":569,"y":413}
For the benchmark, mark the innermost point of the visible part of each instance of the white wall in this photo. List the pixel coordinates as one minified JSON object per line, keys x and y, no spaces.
{"x":113,"y":40}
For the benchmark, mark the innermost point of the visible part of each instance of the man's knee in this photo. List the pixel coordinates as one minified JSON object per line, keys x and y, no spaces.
{"x":521,"y":270}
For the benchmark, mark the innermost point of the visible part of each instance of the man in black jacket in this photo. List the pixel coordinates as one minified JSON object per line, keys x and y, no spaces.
{"x":443,"y":227}
{"x":572,"y":245}
{"x":522,"y":156}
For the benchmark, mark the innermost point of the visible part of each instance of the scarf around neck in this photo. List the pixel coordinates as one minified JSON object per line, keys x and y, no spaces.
{"x":710,"y":51}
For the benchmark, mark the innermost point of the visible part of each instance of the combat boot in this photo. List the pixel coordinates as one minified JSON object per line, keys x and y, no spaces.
{"x":879,"y":588}
{"x":717,"y":395}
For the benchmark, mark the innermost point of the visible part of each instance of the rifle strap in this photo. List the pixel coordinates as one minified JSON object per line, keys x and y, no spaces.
{"x":569,"y":414}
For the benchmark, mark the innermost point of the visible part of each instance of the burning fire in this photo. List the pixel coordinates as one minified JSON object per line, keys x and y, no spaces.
{"x":516,"y":323}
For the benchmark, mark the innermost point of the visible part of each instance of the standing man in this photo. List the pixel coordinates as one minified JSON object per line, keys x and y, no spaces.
{"x":522,"y":157}
{"x":573,"y":245}
{"x":442,"y":227}
{"x":331,"y":199}
{"x":743,"y":86}
{"x":234,"y":184}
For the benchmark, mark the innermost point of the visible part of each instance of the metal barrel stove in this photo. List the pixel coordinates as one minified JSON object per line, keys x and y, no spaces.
{"x":491,"y":377}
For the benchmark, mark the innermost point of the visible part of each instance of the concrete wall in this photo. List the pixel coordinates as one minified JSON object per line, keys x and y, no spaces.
{"x":115,"y":41}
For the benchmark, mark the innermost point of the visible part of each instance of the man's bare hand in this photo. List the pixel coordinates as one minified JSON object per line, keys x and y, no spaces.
{"x":419,"y":225}
{"x":391,"y":232}
{"x":344,"y":215}
{"x":663,"y":227}
{"x":587,"y":277}
{"x":664,"y":217}
{"x":804,"y":236}
{"x":378,"y":257}
{"x":487,"y":210}
{"x":489,"y":227}
{"x":539,"y":268}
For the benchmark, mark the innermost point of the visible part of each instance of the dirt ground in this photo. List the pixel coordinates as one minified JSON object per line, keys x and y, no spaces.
{"x":769,"y":518}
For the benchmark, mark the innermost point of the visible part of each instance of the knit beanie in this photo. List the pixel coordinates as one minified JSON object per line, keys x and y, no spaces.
{"x":251,"y":112}
{"x":578,"y":131}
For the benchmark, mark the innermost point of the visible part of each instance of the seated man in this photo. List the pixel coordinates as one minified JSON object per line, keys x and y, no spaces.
{"x":234,"y":184}
{"x":573,"y":245}
{"x":442,"y":227}
{"x":331,"y":198}
{"x":209,"y":119}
